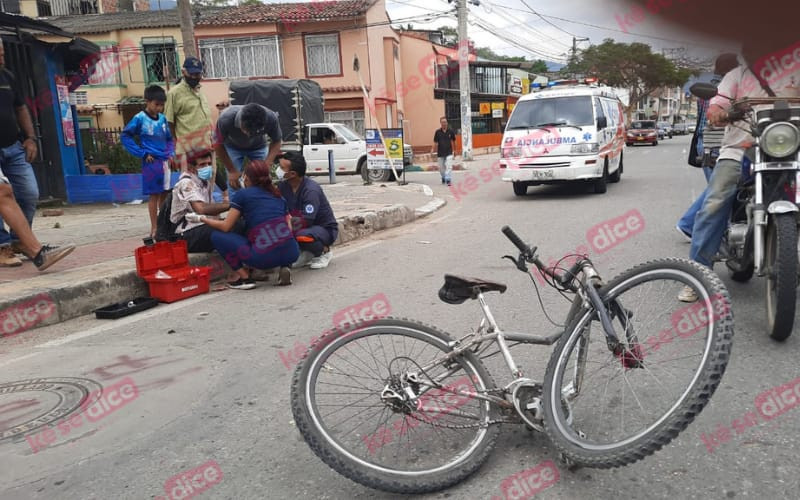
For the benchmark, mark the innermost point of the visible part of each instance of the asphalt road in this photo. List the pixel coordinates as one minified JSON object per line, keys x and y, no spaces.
{"x":207,"y":379}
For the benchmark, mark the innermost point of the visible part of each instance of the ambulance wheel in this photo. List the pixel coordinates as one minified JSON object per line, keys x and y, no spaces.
{"x":617,"y":175}
{"x":601,"y":184}
{"x":520,"y":188}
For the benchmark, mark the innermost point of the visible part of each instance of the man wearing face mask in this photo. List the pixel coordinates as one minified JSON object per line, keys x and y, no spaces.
{"x":189,"y":117}
{"x":192,"y":194}
{"x":313,"y":222}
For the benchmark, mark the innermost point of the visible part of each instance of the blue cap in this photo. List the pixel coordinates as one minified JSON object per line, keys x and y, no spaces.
{"x":193,"y":65}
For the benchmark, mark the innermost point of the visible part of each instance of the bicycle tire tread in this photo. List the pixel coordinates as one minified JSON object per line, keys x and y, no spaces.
{"x":376,"y":480}
{"x":701,"y":394}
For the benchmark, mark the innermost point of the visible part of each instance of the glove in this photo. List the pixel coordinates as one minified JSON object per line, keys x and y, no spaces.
{"x":193,"y":217}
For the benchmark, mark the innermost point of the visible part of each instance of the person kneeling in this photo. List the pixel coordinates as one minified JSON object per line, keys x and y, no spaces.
{"x":312,"y":216}
{"x":269,"y":242}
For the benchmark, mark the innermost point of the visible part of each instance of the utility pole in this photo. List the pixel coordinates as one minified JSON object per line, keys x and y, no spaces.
{"x":463,"y":80}
{"x":187,"y":28}
{"x":575,"y":41}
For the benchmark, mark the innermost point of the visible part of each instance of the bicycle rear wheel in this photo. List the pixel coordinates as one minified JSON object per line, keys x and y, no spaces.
{"x":607,"y":410}
{"x":343,"y":410}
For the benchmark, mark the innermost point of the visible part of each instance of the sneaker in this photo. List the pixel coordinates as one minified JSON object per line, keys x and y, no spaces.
{"x":686,"y":235}
{"x":322,"y":261}
{"x":242,"y":284}
{"x":8,"y":259}
{"x":449,"y":183}
{"x":49,"y":255}
{"x":687,"y":295}
{"x":284,"y":277}
{"x":304,"y":259}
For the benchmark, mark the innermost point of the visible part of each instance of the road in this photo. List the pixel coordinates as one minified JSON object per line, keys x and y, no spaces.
{"x":207,"y":379}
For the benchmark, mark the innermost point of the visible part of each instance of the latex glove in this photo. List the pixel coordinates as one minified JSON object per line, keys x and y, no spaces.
{"x":193,"y":217}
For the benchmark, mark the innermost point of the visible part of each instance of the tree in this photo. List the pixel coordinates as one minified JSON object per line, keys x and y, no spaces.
{"x":539,"y":66}
{"x":630,"y":66}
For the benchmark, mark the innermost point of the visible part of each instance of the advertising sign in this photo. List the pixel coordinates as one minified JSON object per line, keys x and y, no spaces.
{"x":62,"y":91}
{"x":486,"y":108}
{"x":380,"y":156}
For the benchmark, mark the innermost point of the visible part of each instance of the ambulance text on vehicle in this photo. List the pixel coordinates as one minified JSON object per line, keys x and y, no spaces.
{"x":565,"y":133}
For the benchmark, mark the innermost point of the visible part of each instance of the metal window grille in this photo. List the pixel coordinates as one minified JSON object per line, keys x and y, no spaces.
{"x":352,"y":119}
{"x":241,"y":57}
{"x":81,"y":97}
{"x":160,"y":60}
{"x":322,"y":55}
{"x":106,"y":70}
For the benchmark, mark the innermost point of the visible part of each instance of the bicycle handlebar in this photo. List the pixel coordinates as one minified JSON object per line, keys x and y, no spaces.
{"x":516,"y":240}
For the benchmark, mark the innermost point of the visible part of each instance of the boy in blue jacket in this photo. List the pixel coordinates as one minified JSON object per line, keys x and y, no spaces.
{"x":155,"y":147}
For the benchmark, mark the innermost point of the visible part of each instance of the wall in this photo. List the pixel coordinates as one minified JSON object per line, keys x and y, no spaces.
{"x":423,"y":112}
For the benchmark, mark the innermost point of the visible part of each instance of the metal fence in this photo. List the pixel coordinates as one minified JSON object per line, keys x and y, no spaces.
{"x":104,"y":147}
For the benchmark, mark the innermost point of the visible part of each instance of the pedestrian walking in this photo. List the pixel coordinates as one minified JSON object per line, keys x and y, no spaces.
{"x":444,"y":143}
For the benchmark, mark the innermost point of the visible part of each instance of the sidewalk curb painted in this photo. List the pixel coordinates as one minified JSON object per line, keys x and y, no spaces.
{"x":83,"y":297}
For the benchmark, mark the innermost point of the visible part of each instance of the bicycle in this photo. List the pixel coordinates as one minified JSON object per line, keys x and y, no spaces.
{"x":401,"y":406}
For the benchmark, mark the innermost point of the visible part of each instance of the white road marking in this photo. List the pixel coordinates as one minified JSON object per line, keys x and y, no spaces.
{"x":29,"y":355}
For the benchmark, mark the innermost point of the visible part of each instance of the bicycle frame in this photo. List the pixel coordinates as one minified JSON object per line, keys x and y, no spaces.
{"x":586,"y":297}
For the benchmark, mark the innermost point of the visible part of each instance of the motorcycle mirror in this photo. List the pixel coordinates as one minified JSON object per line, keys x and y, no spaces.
{"x":703,"y":90}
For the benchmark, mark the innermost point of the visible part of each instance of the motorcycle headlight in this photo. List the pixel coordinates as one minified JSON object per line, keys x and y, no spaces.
{"x":780,"y":140}
{"x":585,"y":148}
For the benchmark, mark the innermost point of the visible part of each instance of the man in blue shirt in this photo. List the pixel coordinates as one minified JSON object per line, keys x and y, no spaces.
{"x":313,"y":222}
{"x":241,"y":133}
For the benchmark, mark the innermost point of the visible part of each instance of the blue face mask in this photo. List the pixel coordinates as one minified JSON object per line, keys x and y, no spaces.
{"x":205,"y":172}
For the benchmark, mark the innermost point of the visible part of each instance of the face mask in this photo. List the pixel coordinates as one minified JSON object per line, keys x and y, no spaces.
{"x":192,"y":82}
{"x":280,"y":173}
{"x":205,"y":172}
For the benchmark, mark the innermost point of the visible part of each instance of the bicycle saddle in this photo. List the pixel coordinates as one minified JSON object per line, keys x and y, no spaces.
{"x":457,"y":289}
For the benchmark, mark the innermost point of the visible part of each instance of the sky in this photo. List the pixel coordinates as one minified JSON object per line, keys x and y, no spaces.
{"x":527,"y":34}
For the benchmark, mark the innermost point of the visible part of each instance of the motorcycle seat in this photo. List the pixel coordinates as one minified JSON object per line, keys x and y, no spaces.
{"x":457,"y":289}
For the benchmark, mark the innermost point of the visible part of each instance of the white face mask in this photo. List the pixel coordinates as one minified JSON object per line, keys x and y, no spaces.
{"x":280,"y":173}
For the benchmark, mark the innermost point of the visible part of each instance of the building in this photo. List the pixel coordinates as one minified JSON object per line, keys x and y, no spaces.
{"x":411,"y":79}
{"x":47,"y":73}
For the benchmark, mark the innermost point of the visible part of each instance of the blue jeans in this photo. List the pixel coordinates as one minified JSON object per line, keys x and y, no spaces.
{"x":237,"y":251}
{"x":238,"y":156}
{"x":712,"y":218}
{"x":686,"y":224}
{"x":23,"y":182}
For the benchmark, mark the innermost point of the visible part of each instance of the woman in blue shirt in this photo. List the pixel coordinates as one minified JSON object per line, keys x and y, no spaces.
{"x":269,"y":243}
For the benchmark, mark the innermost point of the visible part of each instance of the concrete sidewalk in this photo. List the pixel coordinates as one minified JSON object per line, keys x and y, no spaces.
{"x":102,"y":269}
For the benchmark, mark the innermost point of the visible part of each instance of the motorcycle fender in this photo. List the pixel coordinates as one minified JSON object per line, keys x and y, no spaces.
{"x":782,"y":207}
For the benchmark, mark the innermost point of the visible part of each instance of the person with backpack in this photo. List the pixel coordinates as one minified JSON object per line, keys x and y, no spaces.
{"x":192,"y":194}
{"x":269,"y":242}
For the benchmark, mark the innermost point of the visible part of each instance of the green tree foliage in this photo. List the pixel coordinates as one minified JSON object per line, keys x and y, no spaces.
{"x":631,"y":66}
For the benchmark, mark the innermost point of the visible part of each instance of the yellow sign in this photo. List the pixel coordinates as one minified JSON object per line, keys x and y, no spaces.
{"x":394,"y":148}
{"x":498,"y":105}
{"x":486,"y":108}
{"x":510,"y":107}
{"x":526,"y":86}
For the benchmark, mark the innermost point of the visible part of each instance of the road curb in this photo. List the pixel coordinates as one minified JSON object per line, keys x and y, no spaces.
{"x":119,"y":282}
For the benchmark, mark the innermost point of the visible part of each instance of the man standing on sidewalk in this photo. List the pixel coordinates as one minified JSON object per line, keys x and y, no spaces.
{"x":444,"y":143}
{"x":189,"y":116}
{"x":15,"y":158}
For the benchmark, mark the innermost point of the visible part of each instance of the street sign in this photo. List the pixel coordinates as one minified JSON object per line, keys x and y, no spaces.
{"x":485,"y":108}
{"x":380,"y":156}
{"x":498,"y":105}
{"x":497,"y":113}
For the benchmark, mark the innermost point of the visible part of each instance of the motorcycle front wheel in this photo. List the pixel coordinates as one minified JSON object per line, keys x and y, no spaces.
{"x":781,"y":283}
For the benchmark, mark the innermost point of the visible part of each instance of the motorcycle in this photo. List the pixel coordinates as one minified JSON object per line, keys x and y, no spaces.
{"x":762,"y":234}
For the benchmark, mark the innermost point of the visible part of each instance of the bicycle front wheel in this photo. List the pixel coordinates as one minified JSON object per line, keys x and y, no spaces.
{"x":605,"y":409}
{"x":375,"y":405}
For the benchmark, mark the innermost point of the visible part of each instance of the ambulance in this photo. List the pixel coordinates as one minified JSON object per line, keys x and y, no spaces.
{"x":570,"y":131}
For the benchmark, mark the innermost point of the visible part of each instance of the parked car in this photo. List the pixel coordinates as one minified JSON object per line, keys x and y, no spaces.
{"x":691,"y":128}
{"x":664,"y":130}
{"x":679,"y":129}
{"x":642,"y":132}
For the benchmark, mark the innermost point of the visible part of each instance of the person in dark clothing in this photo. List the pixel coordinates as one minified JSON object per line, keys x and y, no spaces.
{"x":444,"y":143}
{"x":269,"y":242}
{"x":241,"y":133}
{"x":313,"y":222}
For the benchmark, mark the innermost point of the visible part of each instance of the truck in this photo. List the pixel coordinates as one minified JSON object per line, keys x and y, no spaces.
{"x":299,"y":104}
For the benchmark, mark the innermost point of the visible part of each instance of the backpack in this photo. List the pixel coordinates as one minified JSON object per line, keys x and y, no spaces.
{"x":165,"y":228}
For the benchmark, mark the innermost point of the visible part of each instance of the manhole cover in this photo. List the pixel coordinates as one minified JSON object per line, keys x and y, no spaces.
{"x":28,"y":405}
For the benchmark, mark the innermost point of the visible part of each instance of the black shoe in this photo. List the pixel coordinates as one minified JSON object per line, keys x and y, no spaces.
{"x":443,"y":181}
{"x":49,"y":255}
{"x":242,"y":284}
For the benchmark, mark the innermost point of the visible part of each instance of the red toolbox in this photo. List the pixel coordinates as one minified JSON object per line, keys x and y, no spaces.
{"x":171,"y":258}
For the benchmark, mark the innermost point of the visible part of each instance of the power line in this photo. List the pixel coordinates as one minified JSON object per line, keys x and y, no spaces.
{"x":573,"y":35}
{"x":520,"y":45}
{"x":543,"y":36}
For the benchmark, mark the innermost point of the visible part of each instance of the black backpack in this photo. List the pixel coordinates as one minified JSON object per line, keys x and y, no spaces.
{"x":165,"y":228}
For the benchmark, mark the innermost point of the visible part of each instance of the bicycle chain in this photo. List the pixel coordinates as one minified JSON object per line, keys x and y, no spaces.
{"x":467,"y":426}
